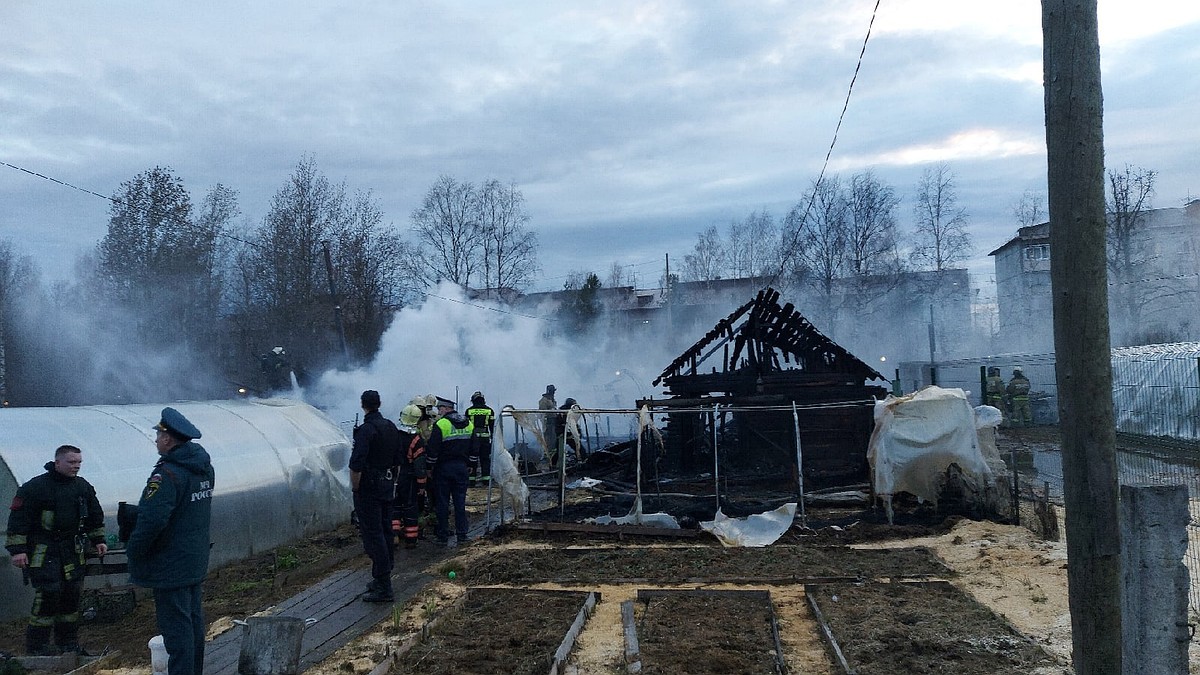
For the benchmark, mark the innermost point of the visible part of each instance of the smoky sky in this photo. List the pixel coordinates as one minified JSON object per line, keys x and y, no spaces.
{"x":628,"y":126}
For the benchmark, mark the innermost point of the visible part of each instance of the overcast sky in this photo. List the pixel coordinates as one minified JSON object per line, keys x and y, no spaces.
{"x":628,"y":126}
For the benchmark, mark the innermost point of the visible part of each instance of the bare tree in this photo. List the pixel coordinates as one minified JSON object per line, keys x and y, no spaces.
{"x":16,"y":274}
{"x":621,"y":275}
{"x":940,"y":233}
{"x":1030,"y":209}
{"x":369,"y":273}
{"x":871,"y":226}
{"x":1130,"y":193}
{"x":448,"y":225}
{"x":823,"y":229}
{"x":753,"y":245}
{"x":156,"y":255}
{"x":509,"y":250}
{"x":288,"y":286}
{"x":706,"y":262}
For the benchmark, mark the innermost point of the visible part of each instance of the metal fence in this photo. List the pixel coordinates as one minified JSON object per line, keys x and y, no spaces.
{"x":1149,"y":464}
{"x":1156,"y":411}
{"x":1156,"y":388}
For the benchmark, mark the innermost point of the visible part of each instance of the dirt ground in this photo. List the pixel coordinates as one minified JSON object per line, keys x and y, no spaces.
{"x":992,"y":570}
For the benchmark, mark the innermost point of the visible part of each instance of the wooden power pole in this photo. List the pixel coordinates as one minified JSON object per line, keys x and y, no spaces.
{"x":1075,"y":154}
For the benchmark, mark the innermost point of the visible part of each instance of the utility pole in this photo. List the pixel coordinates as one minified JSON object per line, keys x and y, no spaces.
{"x":337,"y":305}
{"x":1078,"y":277}
{"x":932,"y":348}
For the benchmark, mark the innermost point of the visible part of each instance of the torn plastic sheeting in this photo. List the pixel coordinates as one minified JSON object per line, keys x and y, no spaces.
{"x":755,"y":530}
{"x":636,"y":517}
{"x":648,"y":519}
{"x":917,"y":437}
{"x":584,"y":483}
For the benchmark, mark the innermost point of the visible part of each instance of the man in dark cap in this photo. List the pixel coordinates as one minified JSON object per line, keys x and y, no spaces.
{"x":374,"y":465}
{"x":168,"y":548}
{"x":51,"y":519}
{"x":449,"y":452}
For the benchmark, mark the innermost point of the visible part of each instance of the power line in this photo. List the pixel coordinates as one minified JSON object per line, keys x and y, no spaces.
{"x":788,"y":252}
{"x":55,"y":180}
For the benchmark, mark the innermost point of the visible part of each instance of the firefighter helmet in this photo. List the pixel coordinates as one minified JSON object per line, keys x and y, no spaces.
{"x":410,"y":415}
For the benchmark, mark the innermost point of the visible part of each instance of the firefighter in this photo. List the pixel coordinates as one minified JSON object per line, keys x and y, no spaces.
{"x":1018,"y":396}
{"x":413,"y":476}
{"x":450,"y":453}
{"x":427,"y":404}
{"x":549,"y":422}
{"x":483,"y":421}
{"x":52,"y":519}
{"x":995,"y":390}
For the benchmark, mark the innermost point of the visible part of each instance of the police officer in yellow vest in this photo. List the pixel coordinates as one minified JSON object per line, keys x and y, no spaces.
{"x":450,"y":451}
{"x":1018,"y":394}
{"x":483,"y":420}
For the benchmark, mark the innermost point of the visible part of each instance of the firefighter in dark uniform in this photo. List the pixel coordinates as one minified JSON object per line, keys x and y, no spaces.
{"x":1018,"y":395}
{"x":411,"y":480}
{"x":52,"y":519}
{"x":450,"y":453}
{"x":483,"y":421}
{"x":168,"y":547}
{"x":995,"y":389}
{"x":374,"y":463}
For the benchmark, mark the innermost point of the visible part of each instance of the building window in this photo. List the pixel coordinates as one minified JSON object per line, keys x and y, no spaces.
{"x":1037,"y":252}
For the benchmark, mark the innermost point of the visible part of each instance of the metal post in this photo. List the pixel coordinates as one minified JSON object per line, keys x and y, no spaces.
{"x":637,"y":504}
{"x":716,"y":459}
{"x":1016,"y":487}
{"x":799,"y":465}
{"x":932,"y":347}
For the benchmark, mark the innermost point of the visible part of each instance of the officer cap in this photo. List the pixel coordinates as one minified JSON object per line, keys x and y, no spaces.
{"x":370,"y":399}
{"x":445,"y":403}
{"x":173,"y":422}
{"x":550,"y":389}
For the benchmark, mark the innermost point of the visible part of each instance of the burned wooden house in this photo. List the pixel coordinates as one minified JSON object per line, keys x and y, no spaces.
{"x":771,"y":372}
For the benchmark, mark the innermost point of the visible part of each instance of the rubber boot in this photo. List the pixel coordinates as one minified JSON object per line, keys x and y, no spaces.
{"x":381,"y":593}
{"x":37,"y":641}
{"x":66,"y":636}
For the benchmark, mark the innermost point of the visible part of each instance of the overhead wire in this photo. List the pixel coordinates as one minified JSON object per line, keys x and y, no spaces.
{"x":794,"y":240}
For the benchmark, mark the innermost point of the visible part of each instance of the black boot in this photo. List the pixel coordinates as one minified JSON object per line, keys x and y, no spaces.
{"x":66,"y":637}
{"x":381,"y":593}
{"x":37,"y":641}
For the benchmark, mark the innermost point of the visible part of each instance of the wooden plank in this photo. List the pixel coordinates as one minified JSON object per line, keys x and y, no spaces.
{"x":592,"y":528}
{"x":341,"y":616}
{"x":568,"y":642}
{"x":629,"y":628}
{"x":831,"y":642}
{"x":368,"y":615}
{"x":645,"y":594}
{"x":104,"y":661}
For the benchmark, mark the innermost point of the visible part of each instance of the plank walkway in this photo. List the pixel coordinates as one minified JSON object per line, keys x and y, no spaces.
{"x":340,"y":614}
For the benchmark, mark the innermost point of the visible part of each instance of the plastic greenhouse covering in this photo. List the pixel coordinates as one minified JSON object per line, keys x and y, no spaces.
{"x":281,"y":469}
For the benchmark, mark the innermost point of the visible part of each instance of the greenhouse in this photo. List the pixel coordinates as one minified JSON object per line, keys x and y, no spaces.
{"x":280,"y":469}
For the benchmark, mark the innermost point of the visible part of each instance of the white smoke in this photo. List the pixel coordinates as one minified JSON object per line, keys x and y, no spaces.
{"x":450,"y":346}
